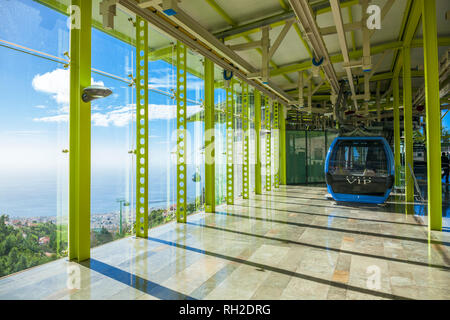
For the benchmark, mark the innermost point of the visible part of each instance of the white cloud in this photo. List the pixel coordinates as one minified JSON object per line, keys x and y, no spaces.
{"x":56,"y":83}
{"x":23,"y":132}
{"x":58,"y":118}
{"x":169,"y":82}
{"x":40,"y":107}
{"x":121,"y":116}
{"x":165,"y":112}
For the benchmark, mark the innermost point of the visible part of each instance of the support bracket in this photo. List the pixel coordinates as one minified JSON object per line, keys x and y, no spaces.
{"x":108,"y":12}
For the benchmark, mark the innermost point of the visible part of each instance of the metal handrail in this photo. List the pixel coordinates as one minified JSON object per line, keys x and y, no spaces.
{"x":415,"y":183}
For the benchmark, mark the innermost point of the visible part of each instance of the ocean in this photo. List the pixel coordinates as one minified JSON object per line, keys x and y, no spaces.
{"x":45,"y":193}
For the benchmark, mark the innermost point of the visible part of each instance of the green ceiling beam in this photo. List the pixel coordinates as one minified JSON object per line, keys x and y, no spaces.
{"x":61,"y":8}
{"x":344,"y":4}
{"x":347,"y":4}
{"x":283,"y":5}
{"x":402,"y":30}
{"x":350,"y":20}
{"x":162,"y":53}
{"x":231,"y":22}
{"x":409,"y":32}
{"x":306,"y":64}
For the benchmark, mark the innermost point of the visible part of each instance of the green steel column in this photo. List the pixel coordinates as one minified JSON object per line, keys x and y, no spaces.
{"x":433,"y":112}
{"x":396,"y":131}
{"x":210,"y":178}
{"x":80,"y":136}
{"x":276,"y":151}
{"x":230,"y":143}
{"x":181,"y":132}
{"x":408,"y":129}
{"x":267,"y":123}
{"x":282,"y":142}
{"x":141,"y":127}
{"x":245,"y":142}
{"x":258,"y":188}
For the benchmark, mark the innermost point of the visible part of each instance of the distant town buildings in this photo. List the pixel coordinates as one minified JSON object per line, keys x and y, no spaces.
{"x":109,"y":221}
{"x":44,"y":240}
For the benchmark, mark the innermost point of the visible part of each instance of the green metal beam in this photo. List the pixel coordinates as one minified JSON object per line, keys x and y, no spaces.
{"x":210,"y":192}
{"x":221,"y":12}
{"x":354,"y":55}
{"x":350,"y":20}
{"x":162,"y":53}
{"x":62,"y":8}
{"x":282,"y":142}
{"x":410,"y":30}
{"x":231,"y":22}
{"x":276,"y":149}
{"x":396,"y":131}
{"x":230,"y":142}
{"x":408,"y":127}
{"x":376,"y":78}
{"x":433,"y":113}
{"x":245,"y":142}
{"x":307,"y":64}
{"x":279,"y":23}
{"x":267,"y":123}
{"x":258,"y":188}
{"x":80,"y":136}
{"x":343,"y":4}
{"x":283,"y":5}
{"x":181,"y":133}
{"x":141,"y":127}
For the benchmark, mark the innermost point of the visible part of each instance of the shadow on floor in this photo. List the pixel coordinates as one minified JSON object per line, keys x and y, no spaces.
{"x":134,"y":281}
{"x":264,"y":267}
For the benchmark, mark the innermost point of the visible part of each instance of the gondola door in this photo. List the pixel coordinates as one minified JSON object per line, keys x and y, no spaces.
{"x":359,"y":169}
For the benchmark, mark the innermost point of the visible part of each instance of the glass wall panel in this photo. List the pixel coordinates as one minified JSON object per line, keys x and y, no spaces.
{"x":196,"y":138}
{"x":112,"y":137}
{"x":330,"y":138}
{"x":112,"y":183}
{"x":252,"y":141}
{"x":296,"y":169}
{"x":33,"y":135}
{"x":262,"y":138}
{"x":162,"y":141}
{"x":316,"y":156}
{"x":220,"y":137}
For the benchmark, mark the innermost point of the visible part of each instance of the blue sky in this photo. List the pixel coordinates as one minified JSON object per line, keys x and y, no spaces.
{"x":34,"y":100}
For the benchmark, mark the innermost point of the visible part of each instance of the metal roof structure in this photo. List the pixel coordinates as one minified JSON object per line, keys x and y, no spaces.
{"x":232,"y":30}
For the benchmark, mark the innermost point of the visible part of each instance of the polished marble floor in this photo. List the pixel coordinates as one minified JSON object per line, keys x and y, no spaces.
{"x":292,"y":243}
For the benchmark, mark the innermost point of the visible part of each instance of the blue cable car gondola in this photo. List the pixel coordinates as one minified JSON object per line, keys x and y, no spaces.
{"x":360,"y":169}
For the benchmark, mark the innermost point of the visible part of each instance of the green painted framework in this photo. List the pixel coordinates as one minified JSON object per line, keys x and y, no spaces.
{"x":80,"y":136}
{"x":80,"y":129}
{"x":230,"y":142}
{"x":396,"y":105}
{"x":141,"y":128}
{"x":302,"y":164}
{"x":408,"y":128}
{"x":245,"y":142}
{"x":282,"y":143}
{"x":267,"y":123}
{"x":276,"y":151}
{"x":433,"y":112}
{"x":258,"y":166}
{"x":181,"y":133}
{"x":210,"y":188}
